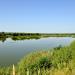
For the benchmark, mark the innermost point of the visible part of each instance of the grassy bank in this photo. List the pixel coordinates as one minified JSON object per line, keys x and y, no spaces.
{"x":57,"y":61}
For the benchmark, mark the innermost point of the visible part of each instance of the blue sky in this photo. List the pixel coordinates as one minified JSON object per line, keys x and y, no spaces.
{"x":51,"y":16}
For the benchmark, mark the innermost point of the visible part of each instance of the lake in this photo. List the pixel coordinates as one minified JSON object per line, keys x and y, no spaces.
{"x":11,"y":52}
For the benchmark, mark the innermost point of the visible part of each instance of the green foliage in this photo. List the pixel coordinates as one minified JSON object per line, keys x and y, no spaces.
{"x":5,"y":70}
{"x":44,"y":62}
{"x":64,"y":55}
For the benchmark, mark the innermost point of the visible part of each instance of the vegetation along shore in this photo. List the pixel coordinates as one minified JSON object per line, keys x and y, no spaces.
{"x":23,"y":36}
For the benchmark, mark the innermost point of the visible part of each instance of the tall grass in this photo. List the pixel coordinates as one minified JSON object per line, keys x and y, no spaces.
{"x":59,"y":61}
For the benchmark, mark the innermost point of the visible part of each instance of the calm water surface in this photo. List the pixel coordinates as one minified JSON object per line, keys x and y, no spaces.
{"x":12,"y":51}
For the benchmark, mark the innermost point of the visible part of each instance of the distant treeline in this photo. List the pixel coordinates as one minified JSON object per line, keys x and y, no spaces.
{"x":33,"y":34}
{"x":17,"y":34}
{"x":59,"y":34}
{"x":23,"y":36}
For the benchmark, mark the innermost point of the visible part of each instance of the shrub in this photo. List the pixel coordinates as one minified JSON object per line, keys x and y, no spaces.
{"x":45,"y":62}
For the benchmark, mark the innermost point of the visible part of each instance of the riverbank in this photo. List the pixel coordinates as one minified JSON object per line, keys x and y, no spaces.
{"x":58,"y":61}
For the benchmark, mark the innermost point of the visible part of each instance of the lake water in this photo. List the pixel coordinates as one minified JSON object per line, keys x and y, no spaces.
{"x":12,"y":51}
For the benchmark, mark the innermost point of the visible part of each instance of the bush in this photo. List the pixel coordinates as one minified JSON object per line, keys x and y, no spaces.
{"x":45,"y":62}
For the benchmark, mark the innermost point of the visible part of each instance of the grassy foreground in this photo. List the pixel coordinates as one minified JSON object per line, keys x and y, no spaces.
{"x":57,"y":61}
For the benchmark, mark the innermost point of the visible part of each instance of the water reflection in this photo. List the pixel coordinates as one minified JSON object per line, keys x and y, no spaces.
{"x":3,"y":39}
